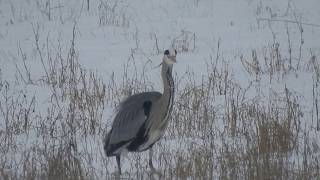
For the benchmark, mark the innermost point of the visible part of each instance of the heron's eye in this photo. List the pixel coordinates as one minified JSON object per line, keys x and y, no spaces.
{"x":166,"y":52}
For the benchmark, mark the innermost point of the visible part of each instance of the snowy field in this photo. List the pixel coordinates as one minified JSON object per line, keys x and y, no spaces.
{"x":247,"y":83}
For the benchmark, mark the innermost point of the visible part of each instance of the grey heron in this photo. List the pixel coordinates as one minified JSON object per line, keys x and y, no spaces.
{"x":141,"y":119}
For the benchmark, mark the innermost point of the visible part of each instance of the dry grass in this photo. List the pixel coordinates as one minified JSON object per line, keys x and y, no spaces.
{"x":114,"y":13}
{"x":217,"y":131}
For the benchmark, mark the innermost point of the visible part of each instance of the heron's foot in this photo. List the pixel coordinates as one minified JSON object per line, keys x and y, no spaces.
{"x":153,"y":170}
{"x":154,"y":174}
{"x":123,"y":176}
{"x":116,"y":175}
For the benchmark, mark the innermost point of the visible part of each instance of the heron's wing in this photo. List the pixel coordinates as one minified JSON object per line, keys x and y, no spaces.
{"x":131,"y":115}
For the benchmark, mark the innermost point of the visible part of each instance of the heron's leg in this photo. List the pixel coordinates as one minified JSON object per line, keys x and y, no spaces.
{"x":118,"y":162}
{"x":153,"y":170}
{"x":150,"y":160}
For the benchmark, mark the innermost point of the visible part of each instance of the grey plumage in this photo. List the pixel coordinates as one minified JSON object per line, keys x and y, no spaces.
{"x":142,"y":119}
{"x":130,"y":117}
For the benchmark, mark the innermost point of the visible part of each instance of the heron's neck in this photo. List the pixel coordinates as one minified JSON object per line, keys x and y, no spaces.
{"x":168,"y":90}
{"x":166,"y":101}
{"x":168,"y":84}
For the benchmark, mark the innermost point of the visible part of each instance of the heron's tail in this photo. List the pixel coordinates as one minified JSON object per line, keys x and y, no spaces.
{"x":114,"y":148}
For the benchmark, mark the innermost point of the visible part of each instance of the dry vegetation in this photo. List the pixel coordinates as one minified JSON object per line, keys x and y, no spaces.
{"x":217,"y":130}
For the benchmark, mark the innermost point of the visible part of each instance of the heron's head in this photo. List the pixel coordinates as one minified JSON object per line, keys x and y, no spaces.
{"x":169,"y":56}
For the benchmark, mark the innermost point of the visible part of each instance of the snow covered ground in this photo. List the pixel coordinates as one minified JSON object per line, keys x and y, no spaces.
{"x":247,"y":77}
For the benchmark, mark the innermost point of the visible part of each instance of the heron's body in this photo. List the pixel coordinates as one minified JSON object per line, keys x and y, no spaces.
{"x":142,"y":119}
